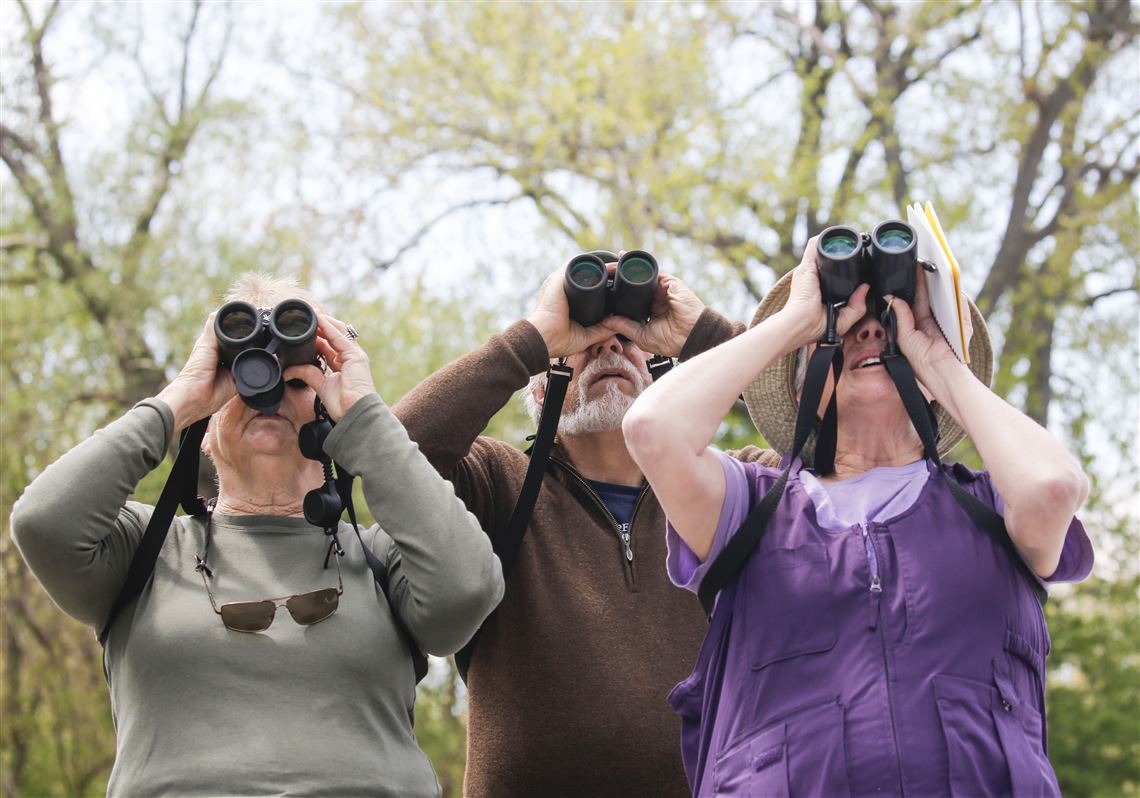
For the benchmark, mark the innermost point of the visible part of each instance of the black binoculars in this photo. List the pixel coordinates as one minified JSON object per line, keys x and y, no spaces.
{"x":257,"y":343}
{"x":885,"y":258}
{"x":593,"y":294}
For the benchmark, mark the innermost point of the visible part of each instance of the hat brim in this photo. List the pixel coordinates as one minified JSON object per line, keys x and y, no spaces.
{"x":771,"y":398}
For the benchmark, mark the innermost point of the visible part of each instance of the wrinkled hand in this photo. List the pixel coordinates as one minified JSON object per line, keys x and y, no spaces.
{"x":805,"y":302}
{"x":203,"y":386}
{"x":551,"y":317}
{"x":919,"y":337}
{"x":348,"y":374}
{"x":674,"y":311}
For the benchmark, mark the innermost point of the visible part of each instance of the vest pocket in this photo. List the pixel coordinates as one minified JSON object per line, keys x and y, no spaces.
{"x":756,"y":767}
{"x":787,"y":605}
{"x":993,"y":740}
{"x":686,"y":699}
{"x":812,"y":738}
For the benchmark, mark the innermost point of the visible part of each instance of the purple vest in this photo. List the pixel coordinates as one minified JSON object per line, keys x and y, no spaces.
{"x":905,"y":657}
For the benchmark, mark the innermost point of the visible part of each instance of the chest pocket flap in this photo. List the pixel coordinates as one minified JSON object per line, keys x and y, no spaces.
{"x":787,"y":605}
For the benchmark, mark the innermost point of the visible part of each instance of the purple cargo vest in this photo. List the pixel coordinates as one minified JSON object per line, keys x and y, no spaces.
{"x":817,"y":679}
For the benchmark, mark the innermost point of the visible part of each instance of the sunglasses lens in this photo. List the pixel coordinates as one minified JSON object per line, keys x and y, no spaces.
{"x":314,"y":606}
{"x":248,"y":616}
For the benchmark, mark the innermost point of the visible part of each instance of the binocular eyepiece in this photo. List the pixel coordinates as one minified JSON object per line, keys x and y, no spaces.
{"x":258,"y":343}
{"x":593,"y":294}
{"x":885,"y":258}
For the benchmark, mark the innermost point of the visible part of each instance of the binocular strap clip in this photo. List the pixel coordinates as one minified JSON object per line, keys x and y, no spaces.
{"x":659,"y":366}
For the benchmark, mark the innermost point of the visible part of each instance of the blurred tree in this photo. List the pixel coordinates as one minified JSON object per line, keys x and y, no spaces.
{"x":728,"y":133}
{"x":142,"y":171}
{"x":84,"y":252}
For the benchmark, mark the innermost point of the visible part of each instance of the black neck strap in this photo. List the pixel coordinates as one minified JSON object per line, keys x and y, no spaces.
{"x":558,"y":378}
{"x":181,"y":488}
{"x":726,"y":566}
{"x":507,"y":545}
{"x":829,"y":357}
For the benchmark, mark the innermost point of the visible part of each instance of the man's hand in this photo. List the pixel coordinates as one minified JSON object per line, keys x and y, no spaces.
{"x":551,"y":317}
{"x":674,"y":311}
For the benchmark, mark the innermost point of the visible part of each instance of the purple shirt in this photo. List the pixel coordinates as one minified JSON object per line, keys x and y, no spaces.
{"x":879,"y":494}
{"x":872,"y":644}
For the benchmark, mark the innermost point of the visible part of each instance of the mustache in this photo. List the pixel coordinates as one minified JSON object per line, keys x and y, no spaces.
{"x":610,"y":361}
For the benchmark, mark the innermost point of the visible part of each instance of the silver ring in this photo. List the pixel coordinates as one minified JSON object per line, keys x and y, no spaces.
{"x":351,"y":332}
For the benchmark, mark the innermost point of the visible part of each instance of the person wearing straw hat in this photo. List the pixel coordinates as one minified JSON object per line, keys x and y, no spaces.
{"x":878,"y":637}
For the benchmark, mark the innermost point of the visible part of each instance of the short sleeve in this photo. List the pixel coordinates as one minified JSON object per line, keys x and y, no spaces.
{"x":1077,"y":553}
{"x":684,"y":568}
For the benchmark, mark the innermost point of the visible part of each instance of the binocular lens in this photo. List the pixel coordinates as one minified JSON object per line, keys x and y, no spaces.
{"x":238,"y":321}
{"x":585,"y":274}
{"x":294,"y":322}
{"x":637,"y":270}
{"x":895,"y":240}
{"x":839,"y":245}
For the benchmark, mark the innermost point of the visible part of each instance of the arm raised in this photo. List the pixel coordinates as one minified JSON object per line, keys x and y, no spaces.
{"x":1040,"y":482}
{"x":669,"y":428}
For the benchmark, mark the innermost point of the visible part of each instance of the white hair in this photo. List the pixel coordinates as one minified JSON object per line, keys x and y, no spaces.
{"x":266,"y":290}
{"x":585,"y":415}
{"x":533,"y":408}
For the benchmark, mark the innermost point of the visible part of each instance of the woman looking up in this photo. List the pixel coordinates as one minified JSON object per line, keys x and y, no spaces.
{"x":876,"y":640}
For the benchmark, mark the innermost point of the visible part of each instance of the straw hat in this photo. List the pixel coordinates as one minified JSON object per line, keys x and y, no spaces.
{"x":771,"y":398}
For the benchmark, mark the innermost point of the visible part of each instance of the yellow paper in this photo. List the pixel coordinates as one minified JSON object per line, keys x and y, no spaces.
{"x":928,"y":208}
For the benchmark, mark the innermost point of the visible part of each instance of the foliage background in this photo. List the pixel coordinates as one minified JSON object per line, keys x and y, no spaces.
{"x":424,"y":165}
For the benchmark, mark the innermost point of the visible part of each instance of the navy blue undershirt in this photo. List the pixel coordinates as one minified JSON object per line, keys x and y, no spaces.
{"x":619,"y":500}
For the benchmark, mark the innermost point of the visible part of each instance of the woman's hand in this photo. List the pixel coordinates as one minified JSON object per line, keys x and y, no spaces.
{"x":674,"y":311}
{"x":805,"y":302}
{"x":920,"y":339}
{"x":202,"y":387}
{"x":347,"y":376}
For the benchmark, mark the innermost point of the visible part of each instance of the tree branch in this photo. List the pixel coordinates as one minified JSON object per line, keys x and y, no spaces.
{"x":185,"y":69}
{"x":32,"y":189}
{"x":383,"y":264}
{"x":16,"y":241}
{"x":1124,"y":289}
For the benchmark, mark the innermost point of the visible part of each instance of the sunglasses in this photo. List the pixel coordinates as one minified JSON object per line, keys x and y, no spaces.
{"x":306,"y":608}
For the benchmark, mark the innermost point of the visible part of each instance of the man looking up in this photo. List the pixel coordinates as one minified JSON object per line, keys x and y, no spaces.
{"x":567,"y":684}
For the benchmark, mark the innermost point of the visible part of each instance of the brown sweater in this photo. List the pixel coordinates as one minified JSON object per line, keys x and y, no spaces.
{"x":567,"y":688}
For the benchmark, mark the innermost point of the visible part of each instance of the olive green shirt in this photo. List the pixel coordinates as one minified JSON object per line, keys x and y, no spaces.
{"x":318,"y":710}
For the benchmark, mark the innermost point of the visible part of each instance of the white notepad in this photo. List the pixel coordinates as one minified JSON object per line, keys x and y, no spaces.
{"x":943,"y":285}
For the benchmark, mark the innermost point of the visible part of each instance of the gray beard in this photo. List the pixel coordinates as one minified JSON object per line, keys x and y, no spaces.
{"x":602,"y":414}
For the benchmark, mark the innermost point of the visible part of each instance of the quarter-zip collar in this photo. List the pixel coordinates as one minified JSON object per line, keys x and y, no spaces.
{"x":559,"y":457}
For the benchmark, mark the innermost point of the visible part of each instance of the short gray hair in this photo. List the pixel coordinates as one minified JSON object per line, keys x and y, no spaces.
{"x":266,"y":290}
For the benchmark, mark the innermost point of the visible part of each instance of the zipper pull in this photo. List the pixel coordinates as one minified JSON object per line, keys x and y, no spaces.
{"x":628,"y":549}
{"x":872,"y":560}
{"x":876,"y":586}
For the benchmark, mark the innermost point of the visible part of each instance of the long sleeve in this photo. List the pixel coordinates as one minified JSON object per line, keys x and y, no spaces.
{"x":445,"y":579}
{"x":73,"y":524}
{"x":446,"y":413}
{"x":711,"y":329}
